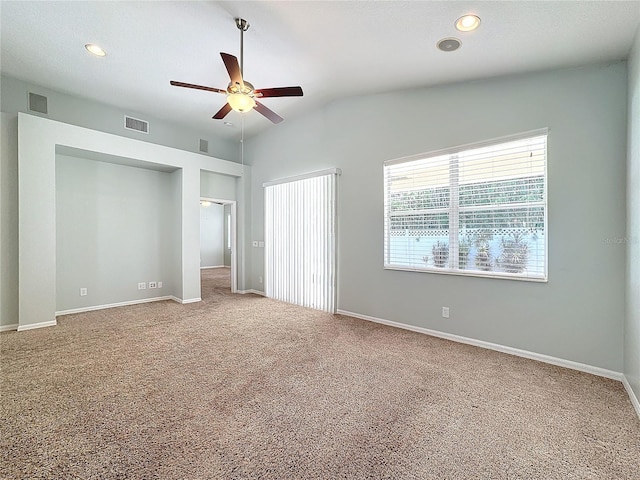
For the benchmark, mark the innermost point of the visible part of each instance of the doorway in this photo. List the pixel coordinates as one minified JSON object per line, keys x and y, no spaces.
{"x":225,"y":244}
{"x":300,"y":240}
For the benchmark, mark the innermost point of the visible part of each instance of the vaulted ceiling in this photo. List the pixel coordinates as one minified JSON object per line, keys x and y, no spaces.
{"x":332,"y":49}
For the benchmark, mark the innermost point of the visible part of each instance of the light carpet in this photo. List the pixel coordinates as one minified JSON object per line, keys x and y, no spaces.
{"x":245,"y":387}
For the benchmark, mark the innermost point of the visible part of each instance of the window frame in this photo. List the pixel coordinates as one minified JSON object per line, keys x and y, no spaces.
{"x":453,"y":210}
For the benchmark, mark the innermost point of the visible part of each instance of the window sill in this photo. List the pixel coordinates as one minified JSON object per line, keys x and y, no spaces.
{"x":469,"y":273}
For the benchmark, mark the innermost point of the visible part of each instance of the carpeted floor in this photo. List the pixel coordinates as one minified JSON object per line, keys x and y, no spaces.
{"x":244,"y":387}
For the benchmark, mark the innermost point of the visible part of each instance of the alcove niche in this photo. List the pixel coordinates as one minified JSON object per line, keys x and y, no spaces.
{"x":118,"y":225}
{"x":104,"y":212}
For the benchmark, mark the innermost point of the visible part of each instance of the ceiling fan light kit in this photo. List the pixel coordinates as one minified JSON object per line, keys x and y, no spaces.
{"x":241,"y":102}
{"x":241,"y":95}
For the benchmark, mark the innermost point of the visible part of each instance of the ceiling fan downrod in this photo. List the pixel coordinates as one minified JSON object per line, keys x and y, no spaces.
{"x":243,"y":26}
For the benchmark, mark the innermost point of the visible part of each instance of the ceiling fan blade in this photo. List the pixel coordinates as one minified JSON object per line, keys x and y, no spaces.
{"x":279,"y":92}
{"x":233,"y":68}
{"x":226,"y":108}
{"x":197,"y":87}
{"x":270,"y":114}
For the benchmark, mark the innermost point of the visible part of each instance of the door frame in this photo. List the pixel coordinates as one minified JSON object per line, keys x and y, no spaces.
{"x":234,"y":236}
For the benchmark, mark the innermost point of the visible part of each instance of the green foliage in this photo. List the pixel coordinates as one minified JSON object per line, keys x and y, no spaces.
{"x":409,"y":210}
{"x":515,"y":253}
{"x":440,"y":253}
{"x":426,"y":199}
{"x":464,"y":246}
{"x":520,"y":190}
{"x":483,"y":251}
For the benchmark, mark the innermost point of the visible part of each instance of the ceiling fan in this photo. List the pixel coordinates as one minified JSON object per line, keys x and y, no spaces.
{"x":241,"y":95}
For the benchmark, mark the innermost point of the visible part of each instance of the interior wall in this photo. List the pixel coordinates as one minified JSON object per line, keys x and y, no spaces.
{"x":107,"y":118}
{"x":215,"y":185}
{"x":632,"y":238}
{"x":212,"y":235}
{"x":174,"y":212}
{"x":226,"y":248}
{"x":225,"y":187}
{"x":8,"y":221}
{"x":578,"y":315}
{"x":113,"y":231}
{"x":38,"y":140}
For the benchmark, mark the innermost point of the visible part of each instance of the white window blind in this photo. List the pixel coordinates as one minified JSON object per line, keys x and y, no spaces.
{"x":300,"y":260}
{"x":476,"y":210}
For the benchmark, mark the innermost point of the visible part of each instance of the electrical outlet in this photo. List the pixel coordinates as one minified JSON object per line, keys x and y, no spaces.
{"x":159,"y":284}
{"x":445,"y":312}
{"x":259,"y":279}
{"x":83,"y":292}
{"x":153,"y":285}
{"x":142,"y":286}
{"x":261,"y":244}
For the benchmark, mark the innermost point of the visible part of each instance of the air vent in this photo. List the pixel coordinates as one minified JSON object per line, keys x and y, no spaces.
{"x":37,"y":103}
{"x":204,"y":146}
{"x":136,"y":124}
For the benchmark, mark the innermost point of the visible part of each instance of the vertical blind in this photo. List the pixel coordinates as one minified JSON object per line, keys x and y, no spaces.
{"x":479,"y":209}
{"x":300,"y":258}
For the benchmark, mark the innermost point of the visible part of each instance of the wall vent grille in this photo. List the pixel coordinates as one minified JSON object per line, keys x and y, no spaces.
{"x":204,"y":146}
{"x":136,"y":124}
{"x":37,"y":103}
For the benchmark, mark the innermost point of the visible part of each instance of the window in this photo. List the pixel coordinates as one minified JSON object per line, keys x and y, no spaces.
{"x":475,"y":210}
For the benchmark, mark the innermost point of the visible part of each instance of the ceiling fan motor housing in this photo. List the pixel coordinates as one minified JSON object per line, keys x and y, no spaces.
{"x":247,"y":89}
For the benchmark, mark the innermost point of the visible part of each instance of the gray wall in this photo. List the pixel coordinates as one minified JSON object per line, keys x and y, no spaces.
{"x":218,"y":186}
{"x":174,"y":212}
{"x":8,"y":220}
{"x":227,"y":250}
{"x":579,"y":314}
{"x":222,"y":187}
{"x":106,"y":118}
{"x":38,"y":141}
{"x":212,"y":235}
{"x":114,"y":228}
{"x":632,"y":321}
{"x":101,"y":117}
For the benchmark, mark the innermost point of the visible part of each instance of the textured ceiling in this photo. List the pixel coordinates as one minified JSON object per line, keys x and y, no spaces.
{"x":331,"y":49}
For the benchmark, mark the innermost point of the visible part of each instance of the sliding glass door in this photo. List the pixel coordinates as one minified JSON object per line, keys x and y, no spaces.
{"x":300,"y":240}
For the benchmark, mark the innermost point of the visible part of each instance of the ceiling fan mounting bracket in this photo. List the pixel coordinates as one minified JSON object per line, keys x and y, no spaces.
{"x":242,"y":24}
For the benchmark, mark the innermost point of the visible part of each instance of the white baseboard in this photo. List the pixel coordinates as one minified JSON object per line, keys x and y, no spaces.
{"x":215,"y":266}
{"x":257,"y":292}
{"x":632,"y":395}
{"x":8,"y":328}
{"x":31,"y":326}
{"x":560,"y":362}
{"x":112,"y":305}
{"x":188,"y":300}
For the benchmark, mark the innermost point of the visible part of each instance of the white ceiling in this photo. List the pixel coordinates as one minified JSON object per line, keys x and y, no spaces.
{"x":331,"y":49}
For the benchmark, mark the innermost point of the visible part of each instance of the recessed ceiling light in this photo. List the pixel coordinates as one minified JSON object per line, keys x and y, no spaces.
{"x":95,"y":49}
{"x":467,"y":23}
{"x":228,"y":124}
{"x":449,"y":44}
